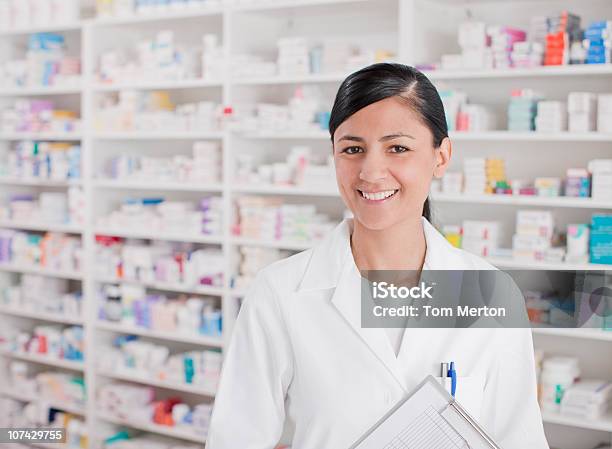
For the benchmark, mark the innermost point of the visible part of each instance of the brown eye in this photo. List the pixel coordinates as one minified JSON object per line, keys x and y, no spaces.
{"x":352,"y":150}
{"x":399,"y":149}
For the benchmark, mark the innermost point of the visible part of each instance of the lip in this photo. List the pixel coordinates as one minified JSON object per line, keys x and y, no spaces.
{"x":377,"y":201}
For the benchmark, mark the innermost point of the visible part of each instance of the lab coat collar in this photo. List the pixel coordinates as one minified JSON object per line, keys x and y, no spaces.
{"x":332,"y":266}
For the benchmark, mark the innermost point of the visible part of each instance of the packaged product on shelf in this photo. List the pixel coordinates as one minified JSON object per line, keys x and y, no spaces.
{"x":158,"y":215}
{"x":54,"y":161}
{"x":582,"y":110}
{"x":52,"y":250}
{"x":480,"y":237}
{"x":16,"y":14}
{"x":452,"y":183}
{"x":522,"y":110}
{"x":252,"y":259}
{"x":558,"y":375}
{"x":598,"y":38}
{"x":483,"y":174}
{"x":600,"y":244}
{"x":303,"y":113}
{"x":268,"y":218}
{"x":533,"y":235}
{"x":604,"y":113}
{"x":548,"y":186}
{"x":47,"y":386}
{"x":123,"y":440}
{"x":138,"y":404}
{"x":551,"y":116}
{"x":54,"y":341}
{"x":301,"y":168}
{"x":601,"y":172}
{"x":38,"y":116}
{"x":453,"y":234}
{"x":563,"y":29}
{"x":51,"y":208}
{"x":577,"y":183}
{"x":37,"y":293}
{"x":548,"y":309}
{"x":187,"y":315}
{"x":577,"y":243}
{"x":587,"y":399}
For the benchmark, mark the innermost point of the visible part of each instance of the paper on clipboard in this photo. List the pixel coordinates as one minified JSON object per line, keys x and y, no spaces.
{"x":428,"y":419}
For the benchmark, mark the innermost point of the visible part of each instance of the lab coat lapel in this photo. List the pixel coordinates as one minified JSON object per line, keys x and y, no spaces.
{"x":347,"y":299}
{"x":332,"y":266}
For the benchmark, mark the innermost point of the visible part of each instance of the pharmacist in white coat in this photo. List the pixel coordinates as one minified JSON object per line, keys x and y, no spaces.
{"x":299,"y":354}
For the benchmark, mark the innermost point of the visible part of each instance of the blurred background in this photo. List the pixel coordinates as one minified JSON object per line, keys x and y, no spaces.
{"x":155,"y":154}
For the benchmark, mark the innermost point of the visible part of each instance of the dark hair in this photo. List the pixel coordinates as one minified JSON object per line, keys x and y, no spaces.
{"x":380,"y":81}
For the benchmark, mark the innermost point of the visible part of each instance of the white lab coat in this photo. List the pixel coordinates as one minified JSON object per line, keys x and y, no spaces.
{"x":298,"y":351}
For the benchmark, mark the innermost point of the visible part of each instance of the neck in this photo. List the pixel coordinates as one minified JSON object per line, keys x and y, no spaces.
{"x":401,"y":247}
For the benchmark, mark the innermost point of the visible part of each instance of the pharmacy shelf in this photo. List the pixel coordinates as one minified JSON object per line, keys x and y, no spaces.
{"x":535,"y":72}
{"x":52,"y":227}
{"x":533,"y":136}
{"x":503,"y":262}
{"x":154,"y":428}
{"x":602,"y":424}
{"x":275,"y":80}
{"x":285,"y":190}
{"x":166,"y":286}
{"x":70,"y":408}
{"x":279,"y":244}
{"x":75,"y":26}
{"x":44,"y":360}
{"x":286,"y":135}
{"x":145,"y":380}
{"x":523,"y":200}
{"x":588,"y":334}
{"x":175,"y":336}
{"x":155,"y":85}
{"x":290,"y":4}
{"x":186,"y":186}
{"x":38,"y":182}
{"x":158,"y":135}
{"x":44,"y":271}
{"x":39,"y":91}
{"x":44,"y":316}
{"x":68,"y":137}
{"x":166,"y":236}
{"x":163,"y":16}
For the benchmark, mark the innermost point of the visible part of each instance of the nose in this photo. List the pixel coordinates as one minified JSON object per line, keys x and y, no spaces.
{"x":373,"y":168}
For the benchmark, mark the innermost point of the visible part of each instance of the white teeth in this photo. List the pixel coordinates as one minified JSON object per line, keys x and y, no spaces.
{"x":377,"y":196}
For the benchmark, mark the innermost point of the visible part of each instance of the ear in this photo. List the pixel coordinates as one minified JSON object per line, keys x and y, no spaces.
{"x":443,"y":156}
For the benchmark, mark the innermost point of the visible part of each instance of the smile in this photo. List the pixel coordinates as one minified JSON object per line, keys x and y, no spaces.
{"x":378,"y":196}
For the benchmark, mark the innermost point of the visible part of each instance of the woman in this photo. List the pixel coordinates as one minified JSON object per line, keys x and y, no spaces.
{"x":299,"y":353}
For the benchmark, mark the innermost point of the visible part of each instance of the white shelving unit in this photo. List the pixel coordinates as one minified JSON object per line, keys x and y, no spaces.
{"x":404,"y":26}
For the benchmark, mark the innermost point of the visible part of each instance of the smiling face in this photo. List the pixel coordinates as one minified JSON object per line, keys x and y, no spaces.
{"x":385,"y":160}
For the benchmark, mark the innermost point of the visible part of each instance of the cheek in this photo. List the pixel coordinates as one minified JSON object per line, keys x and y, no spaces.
{"x":414,"y":172}
{"x":346,"y":171}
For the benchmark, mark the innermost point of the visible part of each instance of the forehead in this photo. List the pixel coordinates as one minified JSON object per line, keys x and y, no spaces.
{"x":382,"y":118}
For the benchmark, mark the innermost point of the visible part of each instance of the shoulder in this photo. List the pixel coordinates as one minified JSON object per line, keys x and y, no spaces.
{"x":286,"y":274}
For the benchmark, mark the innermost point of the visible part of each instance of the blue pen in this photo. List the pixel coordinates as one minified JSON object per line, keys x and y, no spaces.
{"x":452,"y":373}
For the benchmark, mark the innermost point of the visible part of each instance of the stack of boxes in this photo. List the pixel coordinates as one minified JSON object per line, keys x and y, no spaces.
{"x":552,"y":116}
{"x":563,"y":30}
{"x":534,"y":233}
{"x":577,"y":243}
{"x":601,"y":171}
{"x":522,"y":110}
{"x":582,"y":110}
{"x":483,"y":175}
{"x":293,"y":57}
{"x":474,"y":43}
{"x":601,"y":239}
{"x":577,"y":183}
{"x":502,"y":41}
{"x":598,"y":39}
{"x":527,"y":54}
{"x":481,"y":237}
{"x":604,"y":113}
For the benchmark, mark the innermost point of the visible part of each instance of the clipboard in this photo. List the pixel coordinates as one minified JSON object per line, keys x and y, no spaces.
{"x":428,"y":418}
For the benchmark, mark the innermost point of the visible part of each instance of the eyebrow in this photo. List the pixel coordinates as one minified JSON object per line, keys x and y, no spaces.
{"x":382,"y":139}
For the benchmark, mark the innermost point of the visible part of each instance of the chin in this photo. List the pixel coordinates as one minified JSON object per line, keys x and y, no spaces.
{"x":373,"y":223}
